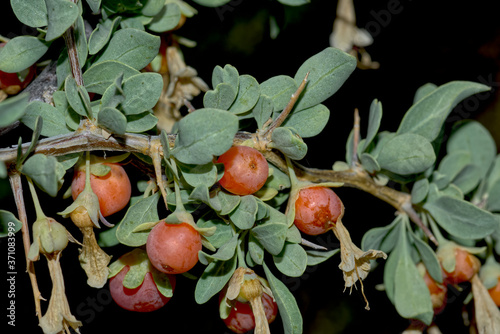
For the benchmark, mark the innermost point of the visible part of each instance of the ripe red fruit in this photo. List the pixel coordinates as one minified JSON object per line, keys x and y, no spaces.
{"x":241,"y":318}
{"x":113,"y":189}
{"x":173,"y":248}
{"x":466,"y":266}
{"x":245,"y":170}
{"x":317,"y":210}
{"x":144,"y":298}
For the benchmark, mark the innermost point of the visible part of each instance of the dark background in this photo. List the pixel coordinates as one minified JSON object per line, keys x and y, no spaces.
{"x":425,"y":41}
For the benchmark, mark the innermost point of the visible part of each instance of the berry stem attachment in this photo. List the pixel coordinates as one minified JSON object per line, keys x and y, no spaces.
{"x":36,"y":202}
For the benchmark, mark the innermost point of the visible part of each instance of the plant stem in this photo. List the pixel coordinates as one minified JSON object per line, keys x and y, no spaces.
{"x":354,"y":157}
{"x":69,"y":39}
{"x":17,"y":188}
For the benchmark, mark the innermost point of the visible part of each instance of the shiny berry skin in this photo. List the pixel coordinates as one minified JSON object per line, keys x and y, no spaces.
{"x":173,"y":248}
{"x":317,"y":210}
{"x":245,"y":170}
{"x":241,"y":318}
{"x":144,"y":298}
{"x":466,"y":266}
{"x":113,"y":189}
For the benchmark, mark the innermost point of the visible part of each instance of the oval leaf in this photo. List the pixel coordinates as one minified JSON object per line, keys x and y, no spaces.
{"x":407,"y":153}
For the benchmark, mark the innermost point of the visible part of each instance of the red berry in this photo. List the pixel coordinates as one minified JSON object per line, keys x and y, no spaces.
{"x":245,"y":170}
{"x":495,"y":293}
{"x":144,"y":298}
{"x":241,"y":318}
{"x":113,"y":189}
{"x":173,"y":248}
{"x":317,"y":210}
{"x":466,"y":266}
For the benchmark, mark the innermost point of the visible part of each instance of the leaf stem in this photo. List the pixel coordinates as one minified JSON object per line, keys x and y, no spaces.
{"x":356,"y":139}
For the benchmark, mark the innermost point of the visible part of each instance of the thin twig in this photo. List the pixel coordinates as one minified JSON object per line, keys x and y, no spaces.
{"x":17,"y":188}
{"x":69,"y":38}
{"x":356,"y":138}
{"x":284,"y":114}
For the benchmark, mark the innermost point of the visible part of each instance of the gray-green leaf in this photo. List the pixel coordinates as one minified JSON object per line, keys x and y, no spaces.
{"x":328,"y":70}
{"x":61,"y":15}
{"x":426,"y":117}
{"x":407,"y":153}
{"x":461,"y":218}
{"x":203,"y":134}
{"x":21,"y":52}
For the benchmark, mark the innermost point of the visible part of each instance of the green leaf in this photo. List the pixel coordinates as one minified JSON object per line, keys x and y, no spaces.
{"x":203,"y":134}
{"x":419,"y":190}
{"x":229,"y":75}
{"x":211,"y":3}
{"x":245,"y":213}
{"x":426,"y":117}
{"x":308,"y":122}
{"x":220,"y":98}
{"x":474,"y":138}
{"x":142,"y":92}
{"x":213,"y":279}
{"x":141,"y":122}
{"x":132,"y":47}
{"x":143,"y":211}
{"x":224,"y":253}
{"x":287,"y":305}
{"x":53,"y":121}
{"x":166,"y":19}
{"x":32,"y":13}
{"x":102,"y":33}
{"x":248,"y":95}
{"x":12,"y":109}
{"x":152,"y":7}
{"x":9,"y":224}
{"x":454,"y":162}
{"x":412,"y":298}
{"x":81,"y":41}
{"x":228,"y":202}
{"x":315,"y":257}
{"x":468,"y":178}
{"x":461,"y":218}
{"x":369,"y":163}
{"x":112,"y":120}
{"x":223,"y":232}
{"x":75,"y":100}
{"x":292,"y":260}
{"x":255,"y":249}
{"x":113,"y":95}
{"x":43,"y":170}
{"x":289,"y":143}
{"x":61,"y":15}
{"x":199,"y":175}
{"x":279,"y":89}
{"x":423,"y":90}
{"x":271,"y":235}
{"x":373,"y":123}
{"x":94,"y":5}
{"x":328,"y":70}
{"x":3,"y":170}
{"x":383,"y":238}
{"x":294,"y":2}
{"x":262,"y":110}
{"x":429,"y":258}
{"x":407,"y":153}
{"x":493,"y":203}
{"x":21,"y":52}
